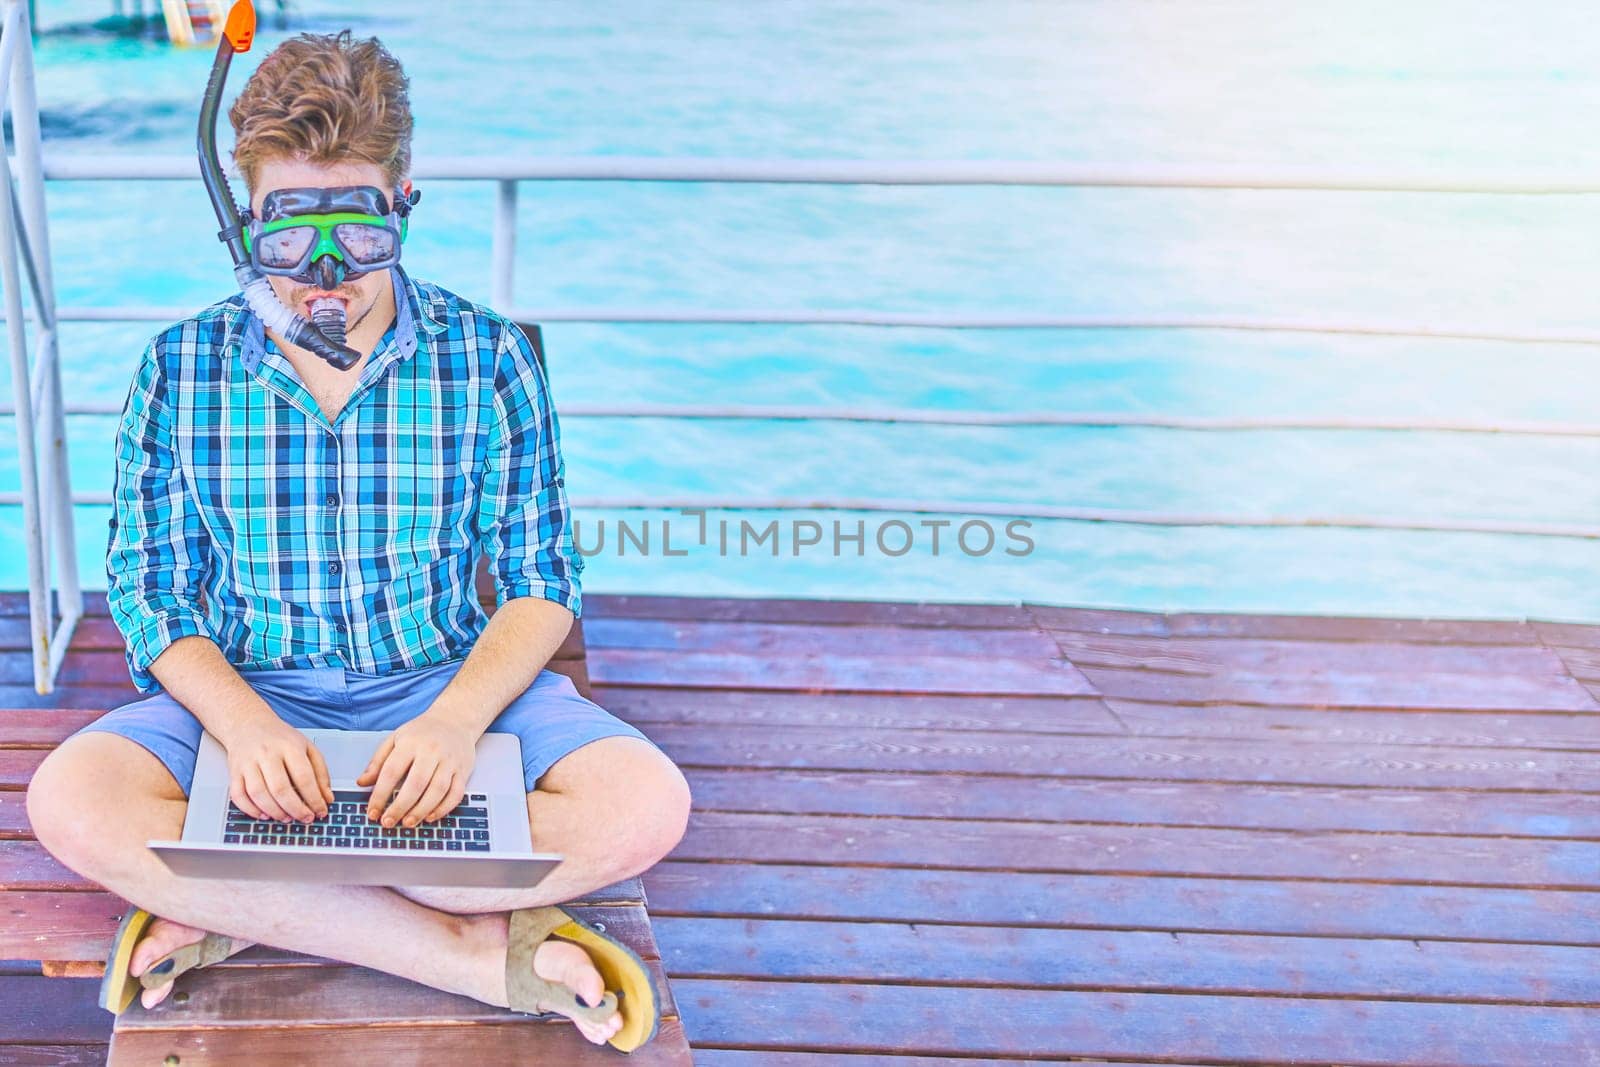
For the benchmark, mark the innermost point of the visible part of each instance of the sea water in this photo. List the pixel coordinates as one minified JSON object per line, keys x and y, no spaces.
{"x":1419,"y":84}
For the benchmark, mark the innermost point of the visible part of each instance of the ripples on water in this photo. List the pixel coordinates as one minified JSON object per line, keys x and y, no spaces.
{"x":1375,"y":85}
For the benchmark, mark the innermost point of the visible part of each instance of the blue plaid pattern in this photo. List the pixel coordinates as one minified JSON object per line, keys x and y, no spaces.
{"x":241,"y":514}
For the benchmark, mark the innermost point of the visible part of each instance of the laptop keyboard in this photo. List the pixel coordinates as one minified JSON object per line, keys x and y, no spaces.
{"x":465,"y":829}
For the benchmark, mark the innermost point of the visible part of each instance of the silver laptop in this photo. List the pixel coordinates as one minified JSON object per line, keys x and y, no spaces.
{"x":484,"y":842}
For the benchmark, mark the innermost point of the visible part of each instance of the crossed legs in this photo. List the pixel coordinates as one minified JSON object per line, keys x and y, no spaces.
{"x":613,"y":808}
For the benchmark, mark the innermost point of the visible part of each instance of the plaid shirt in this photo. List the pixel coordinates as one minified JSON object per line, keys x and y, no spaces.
{"x":241,"y":514}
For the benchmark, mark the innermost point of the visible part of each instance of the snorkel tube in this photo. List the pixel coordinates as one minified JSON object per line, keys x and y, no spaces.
{"x":237,"y":34}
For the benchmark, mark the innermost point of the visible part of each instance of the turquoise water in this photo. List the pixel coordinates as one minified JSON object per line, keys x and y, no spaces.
{"x":1491,"y":86}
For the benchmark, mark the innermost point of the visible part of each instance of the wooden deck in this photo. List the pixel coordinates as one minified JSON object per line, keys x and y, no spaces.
{"x":995,"y":833}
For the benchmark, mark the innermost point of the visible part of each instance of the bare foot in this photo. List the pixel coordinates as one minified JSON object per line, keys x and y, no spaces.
{"x":162,"y":937}
{"x":568,"y":964}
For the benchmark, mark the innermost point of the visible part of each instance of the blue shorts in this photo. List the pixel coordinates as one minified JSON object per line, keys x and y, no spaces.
{"x":551,"y":718}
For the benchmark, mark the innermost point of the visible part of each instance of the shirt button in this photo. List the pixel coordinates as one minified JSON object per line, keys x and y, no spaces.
{"x":331,"y":499}
{"x":339,"y":626}
{"x":333,"y":568}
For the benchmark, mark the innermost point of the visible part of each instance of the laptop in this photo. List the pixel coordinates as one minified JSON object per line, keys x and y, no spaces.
{"x":484,"y":842}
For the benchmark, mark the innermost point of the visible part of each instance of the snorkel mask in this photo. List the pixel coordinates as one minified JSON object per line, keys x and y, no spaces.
{"x":324,"y":237}
{"x":319,"y":236}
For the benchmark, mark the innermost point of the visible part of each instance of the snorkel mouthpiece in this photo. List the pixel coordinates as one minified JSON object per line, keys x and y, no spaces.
{"x":327,"y":315}
{"x":237,"y":35}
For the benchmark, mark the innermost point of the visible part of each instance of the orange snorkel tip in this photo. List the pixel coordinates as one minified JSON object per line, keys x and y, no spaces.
{"x":240,"y":29}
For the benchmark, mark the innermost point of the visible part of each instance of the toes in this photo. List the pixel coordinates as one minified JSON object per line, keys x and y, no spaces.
{"x":162,"y":937}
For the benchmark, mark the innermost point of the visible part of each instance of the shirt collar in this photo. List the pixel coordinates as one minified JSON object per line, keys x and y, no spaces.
{"x":418,"y":308}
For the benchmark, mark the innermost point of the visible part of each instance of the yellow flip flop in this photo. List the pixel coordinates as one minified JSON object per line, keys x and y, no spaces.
{"x":119,"y":987}
{"x":629,"y":988}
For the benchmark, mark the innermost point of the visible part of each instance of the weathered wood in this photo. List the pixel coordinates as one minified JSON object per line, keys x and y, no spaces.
{"x":1122,"y":901}
{"x":1220,"y":655}
{"x":1129,"y":960}
{"x":1250,"y":722}
{"x":739,"y":1057}
{"x":648,"y":705}
{"x":860,"y":673}
{"x":425,"y":1045}
{"x":1270,"y":825}
{"x":75,"y":928}
{"x":26,"y":865}
{"x":780,"y":609}
{"x":785,"y":640}
{"x":957,"y":1021}
{"x":1583,"y":635}
{"x":1158,"y":758}
{"x":1058,"y":800}
{"x":40,"y":727}
{"x":50,"y":1011}
{"x":1350,"y":690}
{"x":1355,"y":628}
{"x":97,"y":697}
{"x":1045,"y":848}
{"x":55,"y":1055}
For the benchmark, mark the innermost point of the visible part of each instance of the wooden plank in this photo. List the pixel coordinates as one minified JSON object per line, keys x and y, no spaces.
{"x":327,"y":995}
{"x":1581,"y":663}
{"x":97,"y":697}
{"x":50,"y":1011}
{"x":1350,"y":627}
{"x":1155,"y":902}
{"x":1583,"y":635}
{"x":643,"y":705}
{"x":55,"y":1055}
{"x":739,"y":1057}
{"x":1129,"y":960}
{"x":1349,"y":689}
{"x":1225,"y":655}
{"x":88,"y":667}
{"x":1298,"y":725}
{"x":422,"y":1045}
{"x":1144,"y":758}
{"x":1056,"y":800}
{"x":26,"y":865}
{"x":936,"y":1020}
{"x":1044,"y":848}
{"x":92,"y":632}
{"x":814,"y":639}
{"x":780,"y":609}
{"x":58,"y":925}
{"x":42,"y":727}
{"x":860,"y":673}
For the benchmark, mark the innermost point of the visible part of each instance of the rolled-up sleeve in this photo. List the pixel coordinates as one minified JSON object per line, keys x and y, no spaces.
{"x":158,"y":549}
{"x":523,"y":518}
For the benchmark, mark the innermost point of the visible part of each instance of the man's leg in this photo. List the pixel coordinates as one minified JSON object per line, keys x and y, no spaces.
{"x":99,"y":797}
{"x":612,"y":808}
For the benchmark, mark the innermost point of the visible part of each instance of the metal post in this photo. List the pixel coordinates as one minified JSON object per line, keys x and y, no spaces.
{"x":47,"y":507}
{"x":21,"y":380}
{"x":503,"y":254}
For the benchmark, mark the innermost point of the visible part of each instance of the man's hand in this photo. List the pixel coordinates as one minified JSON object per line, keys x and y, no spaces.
{"x":428,"y":760}
{"x":275,"y":772}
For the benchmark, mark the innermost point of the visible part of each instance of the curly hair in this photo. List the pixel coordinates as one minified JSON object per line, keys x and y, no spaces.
{"x":324,"y":99}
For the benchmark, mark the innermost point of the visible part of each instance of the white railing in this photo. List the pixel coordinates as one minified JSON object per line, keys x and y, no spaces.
{"x":46,"y":497}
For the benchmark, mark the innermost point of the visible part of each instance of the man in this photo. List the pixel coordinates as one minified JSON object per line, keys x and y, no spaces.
{"x":293,"y":544}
